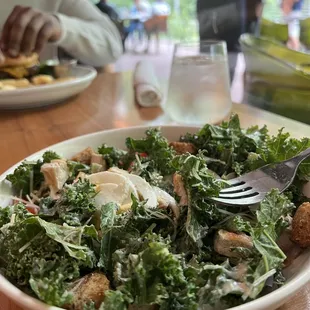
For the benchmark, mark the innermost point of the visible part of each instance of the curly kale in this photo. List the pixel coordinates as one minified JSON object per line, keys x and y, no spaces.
{"x":46,"y":255}
{"x":200,"y":185}
{"x":27,"y":177}
{"x":227,"y":146}
{"x":151,"y":156}
{"x":76,"y":204}
{"x":152,"y":276}
{"x":112,"y":155}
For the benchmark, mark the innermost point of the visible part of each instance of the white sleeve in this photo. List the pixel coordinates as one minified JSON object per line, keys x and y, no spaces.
{"x":87,"y":34}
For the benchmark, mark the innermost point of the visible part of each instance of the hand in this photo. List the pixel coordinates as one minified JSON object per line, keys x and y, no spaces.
{"x":27,"y":30}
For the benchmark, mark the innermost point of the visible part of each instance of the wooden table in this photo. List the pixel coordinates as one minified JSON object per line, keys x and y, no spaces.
{"x":108,"y":103}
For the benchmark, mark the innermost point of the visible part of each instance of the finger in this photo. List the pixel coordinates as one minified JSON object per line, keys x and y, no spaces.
{"x":8,"y":24}
{"x":32,"y":31}
{"x":43,"y":37}
{"x":17,"y":31}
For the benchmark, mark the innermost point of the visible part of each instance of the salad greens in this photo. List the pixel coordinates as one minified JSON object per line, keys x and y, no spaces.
{"x":27,"y":176}
{"x":160,"y":258}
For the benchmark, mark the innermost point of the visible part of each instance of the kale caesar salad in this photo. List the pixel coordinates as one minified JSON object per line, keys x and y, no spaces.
{"x":137,"y":228}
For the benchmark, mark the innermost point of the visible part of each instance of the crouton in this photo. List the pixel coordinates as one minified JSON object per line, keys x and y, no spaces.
{"x":301,"y":226}
{"x":84,"y":156}
{"x":180,"y":190}
{"x":98,"y":159}
{"x":183,"y":147}
{"x":225,"y":242}
{"x":90,"y":288}
{"x":56,"y":173}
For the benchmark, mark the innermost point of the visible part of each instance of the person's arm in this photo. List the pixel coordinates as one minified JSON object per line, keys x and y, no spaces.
{"x":87,"y":34}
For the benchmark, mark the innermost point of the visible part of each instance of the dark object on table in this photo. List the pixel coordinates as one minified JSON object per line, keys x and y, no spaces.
{"x":226,"y":20}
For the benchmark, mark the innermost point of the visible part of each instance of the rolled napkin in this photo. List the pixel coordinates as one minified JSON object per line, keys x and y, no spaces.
{"x":146,"y":86}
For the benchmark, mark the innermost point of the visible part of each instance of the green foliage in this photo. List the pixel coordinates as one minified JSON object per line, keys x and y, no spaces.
{"x":76,"y":204}
{"x":227,"y":147}
{"x":200,"y":185}
{"x":112,"y":155}
{"x":27,"y":177}
{"x":151,"y":156}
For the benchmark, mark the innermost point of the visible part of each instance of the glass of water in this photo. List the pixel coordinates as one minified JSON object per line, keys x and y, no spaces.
{"x":199,"y":90}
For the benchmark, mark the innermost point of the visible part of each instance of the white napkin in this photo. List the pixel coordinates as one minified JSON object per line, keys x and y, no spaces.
{"x":146,"y":86}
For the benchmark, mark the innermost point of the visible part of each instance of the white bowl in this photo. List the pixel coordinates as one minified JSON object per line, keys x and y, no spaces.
{"x":298,"y":274}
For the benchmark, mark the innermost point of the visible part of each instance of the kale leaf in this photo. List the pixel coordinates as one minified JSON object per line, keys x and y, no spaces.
{"x":27,"y":176}
{"x":50,"y":280}
{"x":227,"y":146}
{"x":76,"y":204}
{"x":45,"y":255}
{"x":200,"y":185}
{"x":151,"y":156}
{"x":107,"y":221}
{"x":265,"y":232}
{"x":70,"y":238}
{"x":14,"y":213}
{"x":120,"y":230}
{"x":279,"y":148}
{"x":48,"y":156}
{"x":152,"y":276}
{"x":220,"y":283}
{"x":75,"y":168}
{"x":112,"y":155}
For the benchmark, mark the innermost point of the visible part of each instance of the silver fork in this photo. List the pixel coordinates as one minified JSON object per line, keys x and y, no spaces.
{"x":251,"y":188}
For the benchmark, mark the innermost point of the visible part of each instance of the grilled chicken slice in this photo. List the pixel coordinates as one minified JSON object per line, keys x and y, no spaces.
{"x":56,"y":173}
{"x":226,"y":242}
{"x":179,"y":189}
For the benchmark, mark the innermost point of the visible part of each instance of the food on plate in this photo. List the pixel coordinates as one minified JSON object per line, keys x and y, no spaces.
{"x":301,"y":226}
{"x":226,"y":243}
{"x":136,"y":229}
{"x":18,"y":83}
{"x":91,"y":287}
{"x":26,"y":71}
{"x":183,"y":147}
{"x":19,"y":67}
{"x":42,"y":79}
{"x":6,"y":87}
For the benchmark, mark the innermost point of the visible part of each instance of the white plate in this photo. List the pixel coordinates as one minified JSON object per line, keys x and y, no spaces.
{"x":298,"y":274}
{"x":43,"y":95}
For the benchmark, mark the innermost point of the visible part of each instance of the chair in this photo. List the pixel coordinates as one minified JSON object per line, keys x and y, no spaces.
{"x":154,"y":26}
{"x":278,"y":78}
